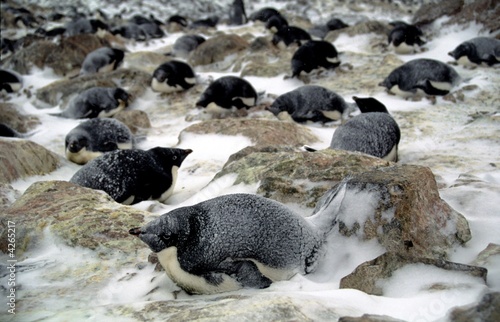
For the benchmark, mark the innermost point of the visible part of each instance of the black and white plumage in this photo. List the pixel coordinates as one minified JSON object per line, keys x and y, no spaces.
{"x":263,"y":14}
{"x":288,"y":35}
{"x":209,"y":22}
{"x":84,"y":26}
{"x":94,"y":137}
{"x":227,"y":93}
{"x":185,"y":44}
{"x":275,"y":23}
{"x":429,"y":76}
{"x":234,"y":241}
{"x":96,"y":102}
{"x":130,"y":31}
{"x":9,"y":132}
{"x":320,"y":31}
{"x":132,"y":176}
{"x":313,"y":55}
{"x":101,"y":60}
{"x":173,"y":76}
{"x":405,"y":38}
{"x":10,"y":81}
{"x":477,"y":51}
{"x":311,"y":103}
{"x":373,"y":132}
{"x":237,"y":14}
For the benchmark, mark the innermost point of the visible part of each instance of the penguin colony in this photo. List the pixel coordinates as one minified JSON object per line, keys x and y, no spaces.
{"x":112,"y":161}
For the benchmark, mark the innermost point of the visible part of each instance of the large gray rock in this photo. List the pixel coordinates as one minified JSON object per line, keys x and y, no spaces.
{"x":401,"y":208}
{"x":78,"y":216}
{"x":367,"y":275}
{"x":11,"y":115}
{"x":217,"y":48}
{"x":23,"y":158}
{"x":487,"y":310}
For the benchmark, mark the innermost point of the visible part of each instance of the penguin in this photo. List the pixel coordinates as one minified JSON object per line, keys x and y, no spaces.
{"x":405,"y":38}
{"x":185,"y":44}
{"x":313,"y":55}
{"x":10,"y":81}
{"x":263,"y":14}
{"x":150,"y":27}
{"x":227,"y":93}
{"x":130,"y":31}
{"x":210,"y":22}
{"x":311,"y":103}
{"x":288,"y":35}
{"x":477,"y":51}
{"x":373,"y":132}
{"x":176,"y":23}
{"x":234,"y":241}
{"x":132,"y":176}
{"x":173,"y":76}
{"x":94,"y":137}
{"x":320,"y":31}
{"x":84,"y":26}
{"x":237,"y":14}
{"x":428,"y":75}
{"x":101,"y":60}
{"x":96,"y":102}
{"x":51,"y":33}
{"x":275,"y":23}
{"x":7,"y":47}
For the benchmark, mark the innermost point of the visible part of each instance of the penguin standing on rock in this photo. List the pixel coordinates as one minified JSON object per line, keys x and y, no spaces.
{"x":94,"y":137}
{"x":132,"y":176}
{"x":102,"y":60}
{"x":173,"y":76}
{"x":313,"y":55}
{"x":311,"y":103}
{"x":228,"y":93}
{"x":96,"y":102}
{"x":477,"y":51}
{"x":373,"y":132}
{"x":239,"y":241}
{"x":429,"y":76}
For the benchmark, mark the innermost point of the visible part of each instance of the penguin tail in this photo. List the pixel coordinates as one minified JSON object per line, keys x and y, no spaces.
{"x":328,"y":208}
{"x":309,"y":149}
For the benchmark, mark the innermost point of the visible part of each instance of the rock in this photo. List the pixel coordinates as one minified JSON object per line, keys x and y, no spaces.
{"x":402,"y":209}
{"x":369,"y":318}
{"x":10,"y":114}
{"x":431,"y":11}
{"x":487,"y":310}
{"x":290,"y":176}
{"x":276,"y":63}
{"x":261,"y":132}
{"x":23,"y":158}
{"x":136,"y":120}
{"x":78,"y":216}
{"x":135,"y":82}
{"x":367,"y":275}
{"x":146,"y":61}
{"x":217,"y":48}
{"x":65,"y":58}
{"x":485,"y":256}
{"x":7,"y":195}
{"x":362,"y":28}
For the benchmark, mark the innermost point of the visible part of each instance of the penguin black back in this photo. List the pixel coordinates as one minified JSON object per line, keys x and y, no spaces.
{"x":313,"y":55}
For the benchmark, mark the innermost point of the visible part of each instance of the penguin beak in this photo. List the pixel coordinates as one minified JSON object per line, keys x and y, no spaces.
{"x":135,"y":231}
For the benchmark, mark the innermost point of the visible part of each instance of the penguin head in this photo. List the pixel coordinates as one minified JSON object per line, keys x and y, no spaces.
{"x":369,"y":104}
{"x":463,"y":49}
{"x":161,"y":74}
{"x":121,"y":95}
{"x":159,"y":233}
{"x":276,"y":22}
{"x":76,"y":141}
{"x":170,"y":156}
{"x":389,"y":81}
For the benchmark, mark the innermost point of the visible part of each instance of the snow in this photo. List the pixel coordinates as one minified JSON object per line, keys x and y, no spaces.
{"x":406,"y":297}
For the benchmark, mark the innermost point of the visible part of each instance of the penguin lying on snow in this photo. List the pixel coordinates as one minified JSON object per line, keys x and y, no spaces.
{"x":313,"y":55}
{"x":373,"y":132}
{"x":94,"y":137}
{"x":10,"y":81}
{"x":237,"y":241}
{"x":132,"y":176}
{"x":227,"y":93}
{"x":477,"y":51}
{"x":405,"y":38}
{"x":428,"y":75}
{"x":311,"y":103}
{"x":102,"y":60}
{"x":173,"y":76}
{"x":96,"y":102}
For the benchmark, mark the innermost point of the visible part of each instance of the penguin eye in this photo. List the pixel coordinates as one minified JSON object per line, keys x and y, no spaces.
{"x":174,"y":157}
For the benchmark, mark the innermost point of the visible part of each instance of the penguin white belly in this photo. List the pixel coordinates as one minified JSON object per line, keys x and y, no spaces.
{"x":443,"y":86}
{"x":217,"y":109}
{"x":83,"y":156}
{"x":396,"y":90}
{"x":112,"y":112}
{"x":164,"y":196}
{"x":164,"y":87}
{"x":285,"y":116}
{"x":392,"y":155}
{"x":125,"y":146}
{"x":106,"y":68}
{"x":464,"y":61}
{"x":248,"y":101}
{"x":190,"y":80}
{"x":404,"y":48}
{"x":332,"y":115}
{"x":333,"y":59}
{"x":15,"y":86}
{"x":274,"y":274}
{"x":193,"y":283}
